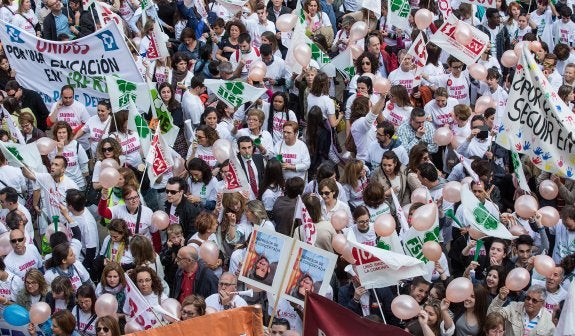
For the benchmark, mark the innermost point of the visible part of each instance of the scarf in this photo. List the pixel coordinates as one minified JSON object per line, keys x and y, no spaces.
{"x":118,"y":257}
{"x":178,"y":76}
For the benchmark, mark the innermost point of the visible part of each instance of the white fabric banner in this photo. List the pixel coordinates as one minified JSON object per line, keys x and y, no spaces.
{"x":537,"y":122}
{"x":484,"y":3}
{"x":45,"y":66}
{"x":444,"y":38}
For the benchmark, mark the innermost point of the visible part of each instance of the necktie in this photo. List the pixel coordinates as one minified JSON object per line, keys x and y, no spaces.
{"x":252,"y":176}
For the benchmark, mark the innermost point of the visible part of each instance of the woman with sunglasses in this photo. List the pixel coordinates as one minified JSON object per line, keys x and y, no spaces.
{"x":137,"y":216}
{"x":366,"y":65}
{"x":107,"y":148}
{"x":328,"y":191}
{"x":97,"y":126}
{"x":107,"y":326}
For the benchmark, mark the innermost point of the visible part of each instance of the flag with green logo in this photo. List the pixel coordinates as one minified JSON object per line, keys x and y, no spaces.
{"x":122,"y":92}
{"x":344,"y":64}
{"x":234,"y":93}
{"x":518,"y":170}
{"x":160,"y":111}
{"x":19,"y":155}
{"x":413,"y":241}
{"x":322,"y":59}
{"x":138,"y":124}
{"x":398,"y":14}
{"x":144,"y":5}
{"x":480,"y":218}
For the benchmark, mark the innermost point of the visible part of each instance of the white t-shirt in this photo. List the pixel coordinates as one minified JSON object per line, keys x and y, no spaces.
{"x":318,"y":21}
{"x":206,"y":154}
{"x":500,"y":97}
{"x":12,"y":177}
{"x":84,"y":322}
{"x":76,"y":115}
{"x":396,"y":114}
{"x":19,"y":264}
{"x":77,"y":162}
{"x":26,"y":21}
{"x":114,"y":247}
{"x":325,"y":103}
{"x":89,"y":229}
{"x":296,"y":154}
{"x":11,"y":287}
{"x":96,"y":130}
{"x":192,"y":107}
{"x":375,"y":153}
{"x":440,"y":115}
{"x":205,"y":192}
{"x":367,"y":238}
{"x":279,"y":119}
{"x":214,"y":302}
{"x":130,"y":144}
{"x":53,"y":193}
{"x":146,"y":228}
{"x":363,"y":131}
{"x":400,"y":77}
{"x":79,"y":275}
{"x":457,"y":88}
{"x":249,"y":58}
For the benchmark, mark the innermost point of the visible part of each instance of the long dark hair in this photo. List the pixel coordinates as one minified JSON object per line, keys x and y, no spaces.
{"x":315,"y":122}
{"x":59,"y":253}
{"x":201,"y":165}
{"x":273,"y":174}
{"x":172,"y":104}
{"x":272,"y":111}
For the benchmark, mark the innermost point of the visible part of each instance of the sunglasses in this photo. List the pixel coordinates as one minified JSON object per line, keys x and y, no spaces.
{"x":16,"y":240}
{"x":107,"y":149}
{"x":365,"y":63}
{"x":104,"y":329}
{"x":325,"y":193}
{"x":172,"y":192}
{"x":529,"y":298}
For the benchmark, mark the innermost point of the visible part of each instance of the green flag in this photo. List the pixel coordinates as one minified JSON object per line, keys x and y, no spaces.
{"x":518,"y":170}
{"x":122,"y":92}
{"x":19,"y":155}
{"x":234,"y":93}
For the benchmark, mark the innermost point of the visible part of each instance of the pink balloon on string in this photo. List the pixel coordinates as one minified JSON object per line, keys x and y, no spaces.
{"x":483,"y":103}
{"x":286,"y":22}
{"x":161,"y":220}
{"x":459,"y":289}
{"x":423,"y":18}
{"x":452,"y":191}
{"x":257,"y":74}
{"x":544,"y":265}
{"x":109,"y":177}
{"x":549,"y":216}
{"x":109,"y":163}
{"x":424,"y":217}
{"x":517,"y":279}
{"x":302,"y":54}
{"x":443,"y":136}
{"x":339,"y":220}
{"x":338,"y":242}
{"x":209,"y":252}
{"x":419,"y":195}
{"x":45,"y":145}
{"x":432,"y":250}
{"x":384,"y":225}
{"x":173,"y":307}
{"x":509,"y":59}
{"x":40,"y":312}
{"x":404,"y":307}
{"x":477,"y":71}
{"x":526,"y":206}
{"x":548,"y":190}
{"x":381,"y":85}
{"x":517,"y":230}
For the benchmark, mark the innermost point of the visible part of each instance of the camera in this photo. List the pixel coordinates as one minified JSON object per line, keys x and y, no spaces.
{"x":483,"y":133}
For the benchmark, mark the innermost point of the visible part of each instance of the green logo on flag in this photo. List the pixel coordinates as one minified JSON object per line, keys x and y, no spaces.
{"x":145,"y":4}
{"x":164,"y":117}
{"x":231,"y":92}
{"x":383,"y":245}
{"x":318,"y":55}
{"x":484,"y":218}
{"x":128,"y":92}
{"x":142,"y":127}
{"x":401,"y":7}
{"x":350,"y":71}
{"x":15,"y":152}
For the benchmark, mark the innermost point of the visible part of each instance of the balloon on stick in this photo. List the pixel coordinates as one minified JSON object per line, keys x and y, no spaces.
{"x":404,"y":307}
{"x":459,"y":289}
{"x":517,"y":279}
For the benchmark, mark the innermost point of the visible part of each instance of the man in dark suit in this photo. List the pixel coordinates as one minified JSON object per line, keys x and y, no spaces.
{"x":252,"y":164}
{"x":277,"y":8}
{"x":30,"y":99}
{"x":185,"y":213}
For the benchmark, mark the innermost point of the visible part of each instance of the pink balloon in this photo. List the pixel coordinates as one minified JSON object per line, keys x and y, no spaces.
{"x":466,"y":180}
{"x":548,"y":190}
{"x":519,"y":48}
{"x":477,"y":71}
{"x":404,"y":307}
{"x":459,"y":289}
{"x":457,"y":141}
{"x":348,"y":255}
{"x":132,"y":327}
{"x":544,"y":265}
{"x":210,"y":252}
{"x":443,"y":136}
{"x":45,"y":145}
{"x":160,"y":220}
{"x":423,"y":18}
{"x":549,"y":216}
{"x":257,"y":74}
{"x":109,"y":163}
{"x":526,"y":206}
{"x":424,"y":217}
{"x":222,"y":150}
{"x":302,"y":54}
{"x":509,"y":59}
{"x":535,"y":46}
{"x":286,"y":22}
{"x":463,"y":33}
{"x":179,"y":166}
{"x":106,"y":305}
{"x":173,"y":307}
{"x":40,"y":312}
{"x":259,"y":64}
{"x":432,"y":251}
{"x":482,"y":103}
{"x":517,"y":279}
{"x":109,"y":177}
{"x":358,"y":31}
{"x":356,"y":50}
{"x":384,"y":225}
{"x":452,"y":191}
{"x":381,"y":85}
{"x":517,"y":230}
{"x":5,"y":246}
{"x":339,"y":220}
{"x":338,"y":242}
{"x":419,"y":195}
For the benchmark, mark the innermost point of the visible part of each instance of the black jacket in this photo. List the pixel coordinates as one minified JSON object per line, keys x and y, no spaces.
{"x":205,"y":283}
{"x":272,"y":16}
{"x":258,"y":160}
{"x":32,"y":100}
{"x":187,"y":213}
{"x":49,"y":31}
{"x":87,"y":25}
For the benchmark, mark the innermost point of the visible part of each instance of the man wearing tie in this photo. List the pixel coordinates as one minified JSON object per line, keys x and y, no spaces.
{"x":252,"y":164}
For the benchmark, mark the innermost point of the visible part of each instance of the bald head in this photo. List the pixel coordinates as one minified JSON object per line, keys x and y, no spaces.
{"x":188,"y":252}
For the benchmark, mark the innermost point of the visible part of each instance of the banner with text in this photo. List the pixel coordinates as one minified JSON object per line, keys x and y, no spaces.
{"x":45,"y":66}
{"x":537,"y":122}
{"x":444,"y":38}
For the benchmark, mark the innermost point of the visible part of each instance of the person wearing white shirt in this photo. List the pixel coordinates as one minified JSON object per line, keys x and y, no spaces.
{"x":84,"y":220}
{"x":226,"y":297}
{"x":384,"y":135}
{"x":439,"y":109}
{"x":277,"y":74}
{"x":192,"y":106}
{"x":555,"y":293}
{"x":398,"y":109}
{"x":11,"y":177}
{"x":71,"y":111}
{"x":497,"y":93}
{"x":550,"y":71}
{"x":23,"y":256}
{"x":564,"y":29}
{"x":477,"y":143}
{"x":363,"y":128}
{"x":457,"y":81}
{"x":292,"y":152}
{"x":263,"y":140}
{"x":257,"y":27}
{"x":242,"y":59}
{"x":404,"y":75}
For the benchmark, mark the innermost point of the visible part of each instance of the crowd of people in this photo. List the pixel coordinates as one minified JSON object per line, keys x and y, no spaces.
{"x":335,"y":142}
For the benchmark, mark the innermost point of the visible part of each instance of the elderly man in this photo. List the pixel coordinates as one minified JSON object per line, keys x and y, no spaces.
{"x":193,"y":276}
{"x":555,"y":294}
{"x":524,"y":318}
{"x":226,"y":297}
{"x":23,"y":256}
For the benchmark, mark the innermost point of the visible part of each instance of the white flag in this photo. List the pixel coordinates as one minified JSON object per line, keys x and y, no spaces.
{"x":398,"y":13}
{"x":21,"y":155}
{"x":106,"y":15}
{"x":444,"y":38}
{"x":234,"y":93}
{"x":400,"y":214}
{"x":15,"y":132}
{"x":344,"y":64}
{"x":480,"y":218}
{"x":140,"y":310}
{"x":157,"y":47}
{"x":122,"y":92}
{"x":378,"y":268}
{"x":139,"y":125}
{"x":235,"y":179}
{"x":307,"y":225}
{"x":159,"y":156}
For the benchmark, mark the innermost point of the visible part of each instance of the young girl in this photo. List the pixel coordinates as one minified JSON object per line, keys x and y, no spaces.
{"x":84,"y":312}
{"x":278,"y":115}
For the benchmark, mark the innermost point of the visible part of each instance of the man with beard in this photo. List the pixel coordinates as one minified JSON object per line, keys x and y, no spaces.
{"x":384,"y":134}
{"x":245,"y":56}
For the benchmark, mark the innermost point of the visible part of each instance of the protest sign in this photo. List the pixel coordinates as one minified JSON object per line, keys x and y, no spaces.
{"x":398,"y":14}
{"x":537,"y":122}
{"x":444,"y":38}
{"x":309,"y":270}
{"x":265,"y":260}
{"x":444,"y":8}
{"x":10,"y":330}
{"x":234,"y":93}
{"x":45,"y":66}
{"x":374,"y":272}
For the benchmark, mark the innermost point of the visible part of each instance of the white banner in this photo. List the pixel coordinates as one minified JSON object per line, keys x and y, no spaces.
{"x":45,"y":66}
{"x":484,"y":3}
{"x":537,"y":122}
{"x":140,"y":309}
{"x":444,"y":8}
{"x":444,"y":38}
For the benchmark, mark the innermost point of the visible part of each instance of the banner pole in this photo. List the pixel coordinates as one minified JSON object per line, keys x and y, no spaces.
{"x":278,"y":295}
{"x":379,"y":305}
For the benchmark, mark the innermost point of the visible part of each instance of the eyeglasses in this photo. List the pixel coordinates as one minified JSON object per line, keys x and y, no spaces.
{"x":17,"y":240}
{"x":365,"y":63}
{"x":107,"y":149}
{"x":144,"y":281}
{"x":362,"y":222}
{"x":532,"y":299}
{"x":226,"y":284}
{"x":104,"y":329}
{"x":325,"y":193}
{"x":132,"y":198}
{"x":172,"y":192}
